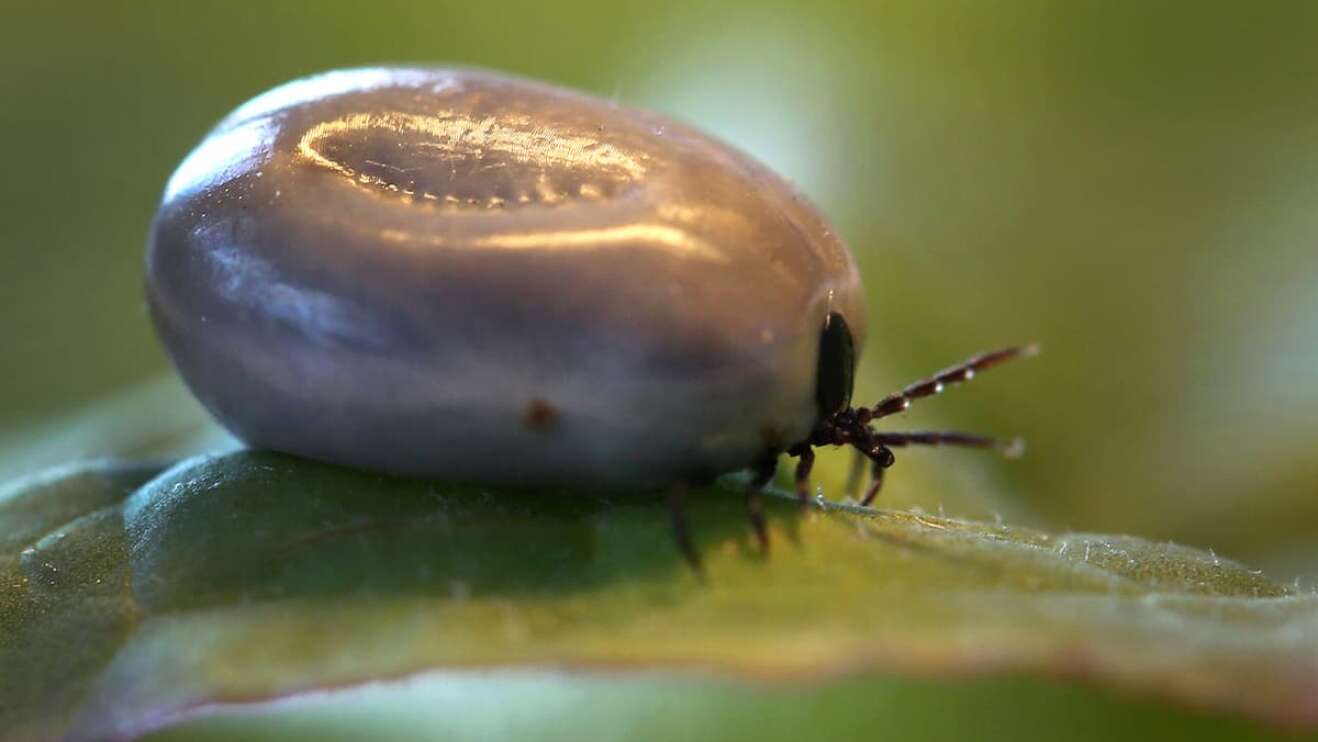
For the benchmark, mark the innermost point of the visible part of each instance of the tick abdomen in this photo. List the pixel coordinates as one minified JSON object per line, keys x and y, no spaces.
{"x":452,"y":273}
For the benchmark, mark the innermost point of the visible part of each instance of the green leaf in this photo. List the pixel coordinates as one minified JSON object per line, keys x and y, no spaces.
{"x":155,"y":418}
{"x":252,"y":577}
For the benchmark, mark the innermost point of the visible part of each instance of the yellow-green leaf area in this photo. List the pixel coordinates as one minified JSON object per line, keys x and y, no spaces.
{"x":254,"y":576}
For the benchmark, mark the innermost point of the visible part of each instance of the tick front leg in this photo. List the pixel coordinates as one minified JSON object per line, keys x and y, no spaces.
{"x":1011,"y":448}
{"x":882,"y":458}
{"x":965,"y":371}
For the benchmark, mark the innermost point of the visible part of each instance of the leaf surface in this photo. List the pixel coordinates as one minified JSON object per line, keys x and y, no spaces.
{"x":249,"y":577}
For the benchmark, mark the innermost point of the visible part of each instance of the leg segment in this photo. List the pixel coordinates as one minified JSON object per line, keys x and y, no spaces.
{"x":677,"y":506}
{"x":1012,"y":448}
{"x":854,"y":475}
{"x":882,"y":458}
{"x":876,"y":484}
{"x":899,"y":401}
{"x":755,"y":504}
{"x":804,"y":464}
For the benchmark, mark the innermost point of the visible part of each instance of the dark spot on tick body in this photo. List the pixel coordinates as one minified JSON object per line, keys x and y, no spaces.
{"x":540,"y":415}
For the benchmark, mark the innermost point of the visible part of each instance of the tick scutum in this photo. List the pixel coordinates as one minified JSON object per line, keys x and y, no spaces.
{"x":835,"y":372}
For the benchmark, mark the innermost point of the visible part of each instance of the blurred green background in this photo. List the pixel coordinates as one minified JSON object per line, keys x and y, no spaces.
{"x":1132,"y":184}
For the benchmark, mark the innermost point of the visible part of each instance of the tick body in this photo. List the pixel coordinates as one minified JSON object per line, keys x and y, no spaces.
{"x":456,"y":274}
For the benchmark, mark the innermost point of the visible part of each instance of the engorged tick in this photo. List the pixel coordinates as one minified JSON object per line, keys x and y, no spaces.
{"x":398,"y":268}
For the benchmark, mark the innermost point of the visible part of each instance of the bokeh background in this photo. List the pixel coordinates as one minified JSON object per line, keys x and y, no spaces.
{"x":1132,"y":184}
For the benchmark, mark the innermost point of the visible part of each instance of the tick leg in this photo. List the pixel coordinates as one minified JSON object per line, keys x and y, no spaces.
{"x":899,"y":401}
{"x":677,"y":505}
{"x":876,"y":483}
{"x":882,"y":459}
{"x":805,"y":462}
{"x":1012,"y":448}
{"x":853,"y":476}
{"x":755,"y":503}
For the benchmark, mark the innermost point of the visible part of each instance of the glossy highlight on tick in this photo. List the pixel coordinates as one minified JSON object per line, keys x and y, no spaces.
{"x":458,"y":274}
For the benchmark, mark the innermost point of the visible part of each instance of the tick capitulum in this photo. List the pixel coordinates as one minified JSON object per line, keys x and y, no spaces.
{"x":846,"y":425}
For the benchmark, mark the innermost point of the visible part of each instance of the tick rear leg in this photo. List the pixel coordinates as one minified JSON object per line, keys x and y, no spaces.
{"x":805,"y":462}
{"x":681,"y":534}
{"x":763,"y":473}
